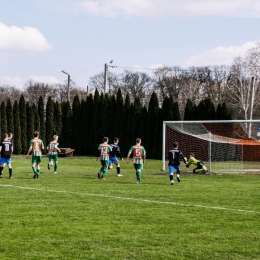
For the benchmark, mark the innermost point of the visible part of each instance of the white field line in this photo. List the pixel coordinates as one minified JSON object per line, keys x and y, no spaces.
{"x":133,"y":199}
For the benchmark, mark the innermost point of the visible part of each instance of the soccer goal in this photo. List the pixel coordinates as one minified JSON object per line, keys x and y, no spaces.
{"x":223,"y":146}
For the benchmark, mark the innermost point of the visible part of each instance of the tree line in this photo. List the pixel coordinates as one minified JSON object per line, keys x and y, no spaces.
{"x":83,"y":124}
{"x":221,"y":84}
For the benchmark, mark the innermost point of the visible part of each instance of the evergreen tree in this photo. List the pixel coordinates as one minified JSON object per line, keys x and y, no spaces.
{"x":201,"y":111}
{"x":76,"y":125}
{"x":30,"y":122}
{"x":105,"y":117}
{"x":17,"y":129}
{"x":218,"y":112}
{"x":151,"y":121}
{"x":143,"y":125}
{"x":157,"y":142}
{"x":36,"y":119}
{"x":3,"y":120}
{"x":125,"y":142}
{"x":119,"y":115}
{"x":194,"y":112}
{"x":23,"y":124}
{"x":188,"y":111}
{"x":95,"y":137}
{"x":87,"y":124}
{"x":225,"y":112}
{"x":136,"y":119}
{"x":9,"y":116}
{"x":66,"y":125}
{"x":130,"y":138}
{"x":84,"y":126}
{"x":57,"y":119}
{"x":49,"y":120}
{"x":210,"y":109}
{"x":167,"y":109}
{"x":112,"y":117}
{"x":176,"y":112}
{"x":42,"y":120}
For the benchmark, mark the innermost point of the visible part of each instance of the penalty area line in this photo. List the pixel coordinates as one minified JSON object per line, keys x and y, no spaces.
{"x":133,"y":199}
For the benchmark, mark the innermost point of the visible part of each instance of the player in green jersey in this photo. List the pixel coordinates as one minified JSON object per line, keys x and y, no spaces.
{"x":103,"y":153}
{"x":36,"y":146}
{"x":200,"y":167}
{"x":53,"y":153}
{"x":139,"y":155}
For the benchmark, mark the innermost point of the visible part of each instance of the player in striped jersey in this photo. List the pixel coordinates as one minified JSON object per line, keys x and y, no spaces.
{"x":36,"y":146}
{"x":53,"y":150}
{"x":139,"y":155}
{"x":103,"y":153}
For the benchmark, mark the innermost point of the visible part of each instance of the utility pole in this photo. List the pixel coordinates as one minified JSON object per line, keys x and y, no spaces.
{"x":69,"y":88}
{"x":251,"y":103}
{"x":105,"y":78}
{"x":68,"y":91}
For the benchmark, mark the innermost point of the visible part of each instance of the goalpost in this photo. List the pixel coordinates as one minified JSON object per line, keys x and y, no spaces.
{"x":222,"y":145}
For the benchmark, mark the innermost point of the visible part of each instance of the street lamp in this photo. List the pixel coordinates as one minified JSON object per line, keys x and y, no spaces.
{"x":105,"y":76}
{"x":68,"y":94}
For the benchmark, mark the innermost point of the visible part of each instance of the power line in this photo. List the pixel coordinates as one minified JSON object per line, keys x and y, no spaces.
{"x":121,"y":67}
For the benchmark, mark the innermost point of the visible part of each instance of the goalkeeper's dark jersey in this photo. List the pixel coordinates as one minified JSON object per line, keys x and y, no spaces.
{"x":115,"y":151}
{"x":6,"y":151}
{"x":174,"y":157}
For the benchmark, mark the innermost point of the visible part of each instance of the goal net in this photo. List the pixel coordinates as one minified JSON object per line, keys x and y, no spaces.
{"x":223,"y":146}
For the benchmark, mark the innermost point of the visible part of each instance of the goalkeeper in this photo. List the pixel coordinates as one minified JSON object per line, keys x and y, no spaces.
{"x":201,"y":168}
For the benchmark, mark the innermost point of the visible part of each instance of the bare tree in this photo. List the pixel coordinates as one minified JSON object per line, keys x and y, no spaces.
{"x":238,"y":88}
{"x":137,"y":84}
{"x":7,"y":91}
{"x":97,"y":82}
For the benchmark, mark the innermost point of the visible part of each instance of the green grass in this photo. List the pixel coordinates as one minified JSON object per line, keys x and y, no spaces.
{"x":75,"y":215}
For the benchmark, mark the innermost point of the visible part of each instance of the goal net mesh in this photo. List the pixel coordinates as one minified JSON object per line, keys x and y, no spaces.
{"x":223,"y":146}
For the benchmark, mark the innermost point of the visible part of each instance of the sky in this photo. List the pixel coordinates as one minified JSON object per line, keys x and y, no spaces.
{"x":40,"y":38}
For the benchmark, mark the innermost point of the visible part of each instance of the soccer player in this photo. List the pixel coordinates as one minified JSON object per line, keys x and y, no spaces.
{"x":113,"y":156}
{"x":174,"y":156}
{"x":53,"y":153}
{"x":103,"y":153}
{"x":36,"y":146}
{"x":201,"y":168}
{"x":6,"y":149}
{"x":139,"y":156}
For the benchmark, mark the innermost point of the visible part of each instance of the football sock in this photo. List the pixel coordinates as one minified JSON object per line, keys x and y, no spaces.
{"x":118,"y":170}
{"x":55,"y":167}
{"x":38,"y":172}
{"x":138,"y":176}
{"x":171,"y":177}
{"x":104,"y":172}
{"x":10,"y":172}
{"x":34,"y":169}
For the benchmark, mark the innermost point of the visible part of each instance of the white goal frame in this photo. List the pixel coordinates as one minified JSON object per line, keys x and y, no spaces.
{"x":251,"y":134}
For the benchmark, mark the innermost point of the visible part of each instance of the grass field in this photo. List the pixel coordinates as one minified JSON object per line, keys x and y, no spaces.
{"x":75,"y":215}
